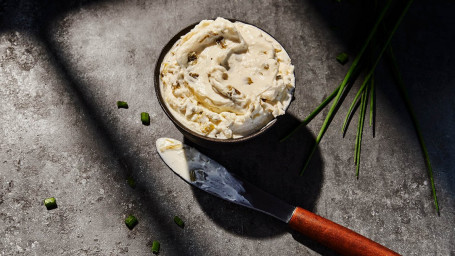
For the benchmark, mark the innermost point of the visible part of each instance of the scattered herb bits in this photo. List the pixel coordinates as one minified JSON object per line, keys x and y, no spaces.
{"x":156,"y":247}
{"x":131,"y":221}
{"x":145,"y":118}
{"x":122,"y":104}
{"x":179,"y":222}
{"x":50,"y":203}
{"x":342,"y":58}
{"x":131,"y":182}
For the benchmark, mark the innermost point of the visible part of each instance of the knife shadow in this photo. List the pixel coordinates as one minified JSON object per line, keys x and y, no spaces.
{"x":273,"y":167}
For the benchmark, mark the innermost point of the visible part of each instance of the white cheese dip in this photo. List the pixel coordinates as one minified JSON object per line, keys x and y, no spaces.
{"x":226,"y":80}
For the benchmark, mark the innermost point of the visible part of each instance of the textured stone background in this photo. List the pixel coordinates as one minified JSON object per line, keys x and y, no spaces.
{"x":64,"y":65}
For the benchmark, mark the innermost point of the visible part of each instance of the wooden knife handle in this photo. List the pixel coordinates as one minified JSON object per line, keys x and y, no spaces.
{"x":334,"y":236}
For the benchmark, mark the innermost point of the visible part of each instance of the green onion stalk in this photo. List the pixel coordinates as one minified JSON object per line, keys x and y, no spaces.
{"x":343,"y":84}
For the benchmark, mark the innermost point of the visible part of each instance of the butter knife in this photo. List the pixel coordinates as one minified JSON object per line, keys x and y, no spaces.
{"x":208,"y":175}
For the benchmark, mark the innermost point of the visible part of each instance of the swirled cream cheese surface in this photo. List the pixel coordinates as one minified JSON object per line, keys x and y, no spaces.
{"x":226,"y":80}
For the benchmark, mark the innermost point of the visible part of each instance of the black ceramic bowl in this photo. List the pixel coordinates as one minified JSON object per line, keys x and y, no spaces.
{"x":191,"y":135}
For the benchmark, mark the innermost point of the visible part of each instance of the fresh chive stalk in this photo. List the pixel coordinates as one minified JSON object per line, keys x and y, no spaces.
{"x":313,"y":114}
{"x":122,"y":104}
{"x":373,"y":68}
{"x":357,"y":137}
{"x":343,"y":84}
{"x":360,"y":131}
{"x":354,"y":102}
{"x":145,"y":118}
{"x":155,"y":247}
{"x":372,"y":92}
{"x":131,"y":221}
{"x":179,"y":222}
{"x":372,"y":86}
{"x":50,"y":203}
{"x":407,"y":101}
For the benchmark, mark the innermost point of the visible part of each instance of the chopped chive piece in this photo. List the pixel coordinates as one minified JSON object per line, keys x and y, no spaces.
{"x":334,"y":27}
{"x":145,"y":118}
{"x":131,"y":182}
{"x":179,"y":222}
{"x":50,"y":203}
{"x":192,"y":176}
{"x":342,"y":58}
{"x":131,"y":221}
{"x":156,"y":247}
{"x":122,"y":104}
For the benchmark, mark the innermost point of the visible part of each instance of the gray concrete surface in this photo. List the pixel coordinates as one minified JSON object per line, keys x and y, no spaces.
{"x":64,"y":66}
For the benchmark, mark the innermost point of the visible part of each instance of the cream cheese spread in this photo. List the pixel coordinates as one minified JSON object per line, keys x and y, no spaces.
{"x":226,"y":80}
{"x":172,"y":153}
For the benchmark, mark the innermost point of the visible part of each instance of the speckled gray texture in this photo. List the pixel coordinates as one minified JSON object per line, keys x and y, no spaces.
{"x":64,"y":66}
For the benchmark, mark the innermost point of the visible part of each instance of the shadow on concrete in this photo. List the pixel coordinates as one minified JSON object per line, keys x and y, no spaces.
{"x":130,"y":165}
{"x":36,"y":18}
{"x":424,"y":51}
{"x":272,"y":169}
{"x":268,"y":173}
{"x":270,"y":165}
{"x":267,"y":163}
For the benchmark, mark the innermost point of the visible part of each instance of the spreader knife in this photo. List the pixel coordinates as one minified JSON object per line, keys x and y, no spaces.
{"x":208,"y":175}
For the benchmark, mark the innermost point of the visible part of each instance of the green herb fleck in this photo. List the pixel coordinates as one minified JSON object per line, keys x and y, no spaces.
{"x":50,"y":203}
{"x":192,"y":176}
{"x":145,"y":118}
{"x":342,"y":58}
{"x":179,"y":222}
{"x":131,"y":182}
{"x":192,"y":56}
{"x":122,"y":104}
{"x":131,"y":221}
{"x":156,"y":247}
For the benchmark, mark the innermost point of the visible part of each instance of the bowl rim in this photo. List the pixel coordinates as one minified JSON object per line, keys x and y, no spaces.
{"x":167,"y":47}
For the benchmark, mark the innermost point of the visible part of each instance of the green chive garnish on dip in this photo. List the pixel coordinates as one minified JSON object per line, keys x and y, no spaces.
{"x":131,"y":221}
{"x":50,"y":203}
{"x":179,"y":222}
{"x":156,"y":247}
{"x":122,"y":104}
{"x":145,"y":118}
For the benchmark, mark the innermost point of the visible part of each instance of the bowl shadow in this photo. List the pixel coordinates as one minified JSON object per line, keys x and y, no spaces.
{"x":273,"y":167}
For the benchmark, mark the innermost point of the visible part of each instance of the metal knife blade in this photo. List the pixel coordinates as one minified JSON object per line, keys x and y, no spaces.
{"x":208,"y":175}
